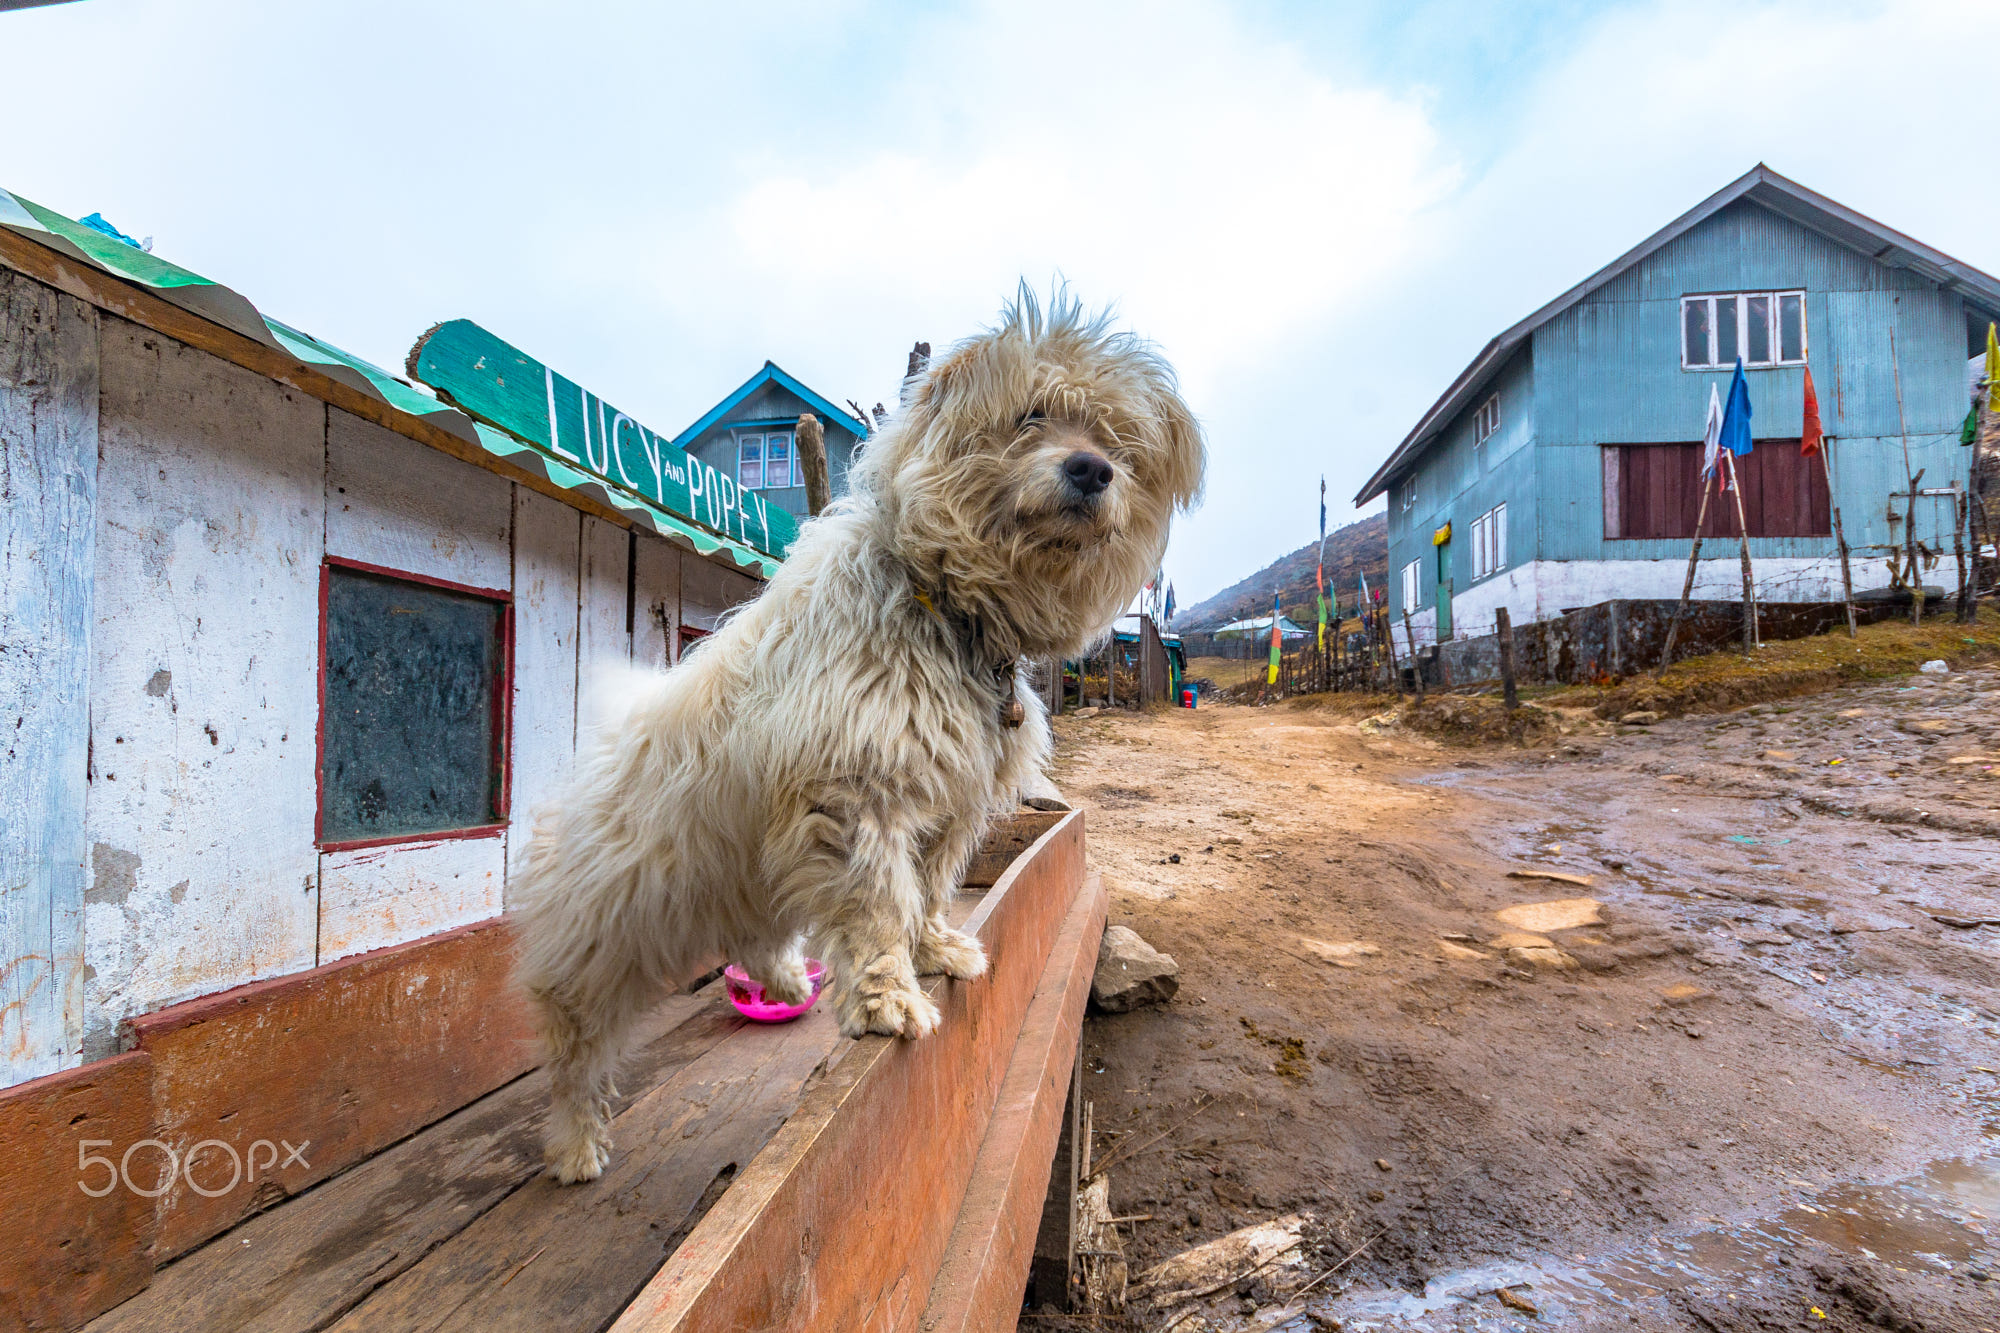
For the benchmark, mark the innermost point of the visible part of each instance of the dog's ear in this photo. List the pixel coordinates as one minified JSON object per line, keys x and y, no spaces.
{"x":1182,"y":452}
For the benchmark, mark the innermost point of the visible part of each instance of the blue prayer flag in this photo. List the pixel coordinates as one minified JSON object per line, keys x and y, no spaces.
{"x":1736,"y":414}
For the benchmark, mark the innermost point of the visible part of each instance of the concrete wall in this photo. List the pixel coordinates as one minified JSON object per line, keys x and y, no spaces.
{"x":179,"y":511}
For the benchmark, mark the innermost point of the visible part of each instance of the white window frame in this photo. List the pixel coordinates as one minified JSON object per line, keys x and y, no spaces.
{"x":794,"y":475}
{"x":1489,"y":542}
{"x":1737,"y":306}
{"x":1409,"y":494}
{"x":1486,"y":420}
{"x":1413,"y":583}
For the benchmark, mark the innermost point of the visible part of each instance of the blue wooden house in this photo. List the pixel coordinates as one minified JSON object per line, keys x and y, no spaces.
{"x":750,"y":436}
{"x":1562,"y":467}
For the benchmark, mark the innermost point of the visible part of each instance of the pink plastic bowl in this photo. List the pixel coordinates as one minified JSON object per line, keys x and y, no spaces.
{"x":748,"y":996}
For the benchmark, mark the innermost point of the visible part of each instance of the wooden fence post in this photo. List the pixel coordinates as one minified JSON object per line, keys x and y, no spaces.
{"x":1503,"y":628}
{"x":1416,"y":667}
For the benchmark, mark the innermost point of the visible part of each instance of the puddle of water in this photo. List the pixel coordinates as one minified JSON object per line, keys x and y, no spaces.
{"x":1938,"y":1220}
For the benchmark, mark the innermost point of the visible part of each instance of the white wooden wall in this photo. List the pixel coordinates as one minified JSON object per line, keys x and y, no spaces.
{"x":181,"y":509}
{"x":203,"y":685}
{"x":48,"y":528}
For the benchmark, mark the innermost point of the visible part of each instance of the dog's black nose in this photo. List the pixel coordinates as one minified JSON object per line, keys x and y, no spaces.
{"x":1088,"y":473}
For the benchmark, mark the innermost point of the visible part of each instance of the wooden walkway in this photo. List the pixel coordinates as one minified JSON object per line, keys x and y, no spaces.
{"x":763,"y":1177}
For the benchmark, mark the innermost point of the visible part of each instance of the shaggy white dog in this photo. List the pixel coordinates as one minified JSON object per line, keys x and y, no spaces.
{"x":827,"y":762}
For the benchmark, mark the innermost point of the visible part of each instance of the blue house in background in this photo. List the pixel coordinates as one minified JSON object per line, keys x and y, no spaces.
{"x":1561,"y":469}
{"x":749,"y":436}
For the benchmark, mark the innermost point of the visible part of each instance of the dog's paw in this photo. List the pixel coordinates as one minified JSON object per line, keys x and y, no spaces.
{"x":886,"y":999}
{"x":573,"y":1159}
{"x":785,"y":981}
{"x":952,"y":952}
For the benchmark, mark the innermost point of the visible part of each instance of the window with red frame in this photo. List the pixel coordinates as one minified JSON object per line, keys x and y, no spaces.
{"x":413,"y":707}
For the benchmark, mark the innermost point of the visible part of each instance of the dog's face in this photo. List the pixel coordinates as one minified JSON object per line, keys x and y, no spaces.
{"x":1034,"y":474}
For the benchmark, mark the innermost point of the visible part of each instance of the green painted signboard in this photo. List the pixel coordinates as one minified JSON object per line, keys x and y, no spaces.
{"x":503,"y":385}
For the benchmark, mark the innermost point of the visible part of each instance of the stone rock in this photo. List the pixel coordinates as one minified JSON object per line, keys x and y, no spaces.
{"x":1514,"y":1300}
{"x":1550,"y":958}
{"x":1594,"y":957}
{"x":1854,"y":923}
{"x":1555,"y":914}
{"x":1520,"y":939}
{"x":1131,"y":973}
{"x":1344,"y":953}
{"x":1450,"y":950}
{"x":1645,"y":717}
{"x":1782,"y":756}
{"x":1935,"y":667}
{"x":1084,"y":712}
{"x":1684,"y":993}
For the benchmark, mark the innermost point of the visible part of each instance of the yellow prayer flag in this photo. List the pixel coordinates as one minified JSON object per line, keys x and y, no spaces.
{"x":1992,"y":369}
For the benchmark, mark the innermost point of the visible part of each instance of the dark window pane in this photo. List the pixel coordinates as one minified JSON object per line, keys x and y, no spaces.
{"x":1694,"y":332}
{"x":412,"y":724}
{"x":1725,"y":330}
{"x":1792,"y":328}
{"x":1757,"y":331}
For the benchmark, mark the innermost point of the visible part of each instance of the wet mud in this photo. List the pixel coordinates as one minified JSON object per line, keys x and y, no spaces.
{"x":1762,"y":1090}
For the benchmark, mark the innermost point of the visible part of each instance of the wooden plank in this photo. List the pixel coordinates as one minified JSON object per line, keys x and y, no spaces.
{"x":838,"y":1224}
{"x":604,"y":636}
{"x":570,"y":1257}
{"x":414,"y":510}
{"x":547,"y":558}
{"x":347,"y":1058}
{"x":74,"y":1246}
{"x":374,"y":897}
{"x":1005,"y":842}
{"x":499,"y":383}
{"x":203,"y":705}
{"x":308,"y":1261}
{"x":985,"y":1268}
{"x":48,"y":536}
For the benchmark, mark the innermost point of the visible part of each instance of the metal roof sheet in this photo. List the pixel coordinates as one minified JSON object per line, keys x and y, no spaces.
{"x":1762,"y":186}
{"x":221,"y":306}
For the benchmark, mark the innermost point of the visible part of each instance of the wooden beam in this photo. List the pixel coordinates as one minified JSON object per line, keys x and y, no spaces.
{"x":306,"y":1262}
{"x":979,"y":1284}
{"x":842,"y":1221}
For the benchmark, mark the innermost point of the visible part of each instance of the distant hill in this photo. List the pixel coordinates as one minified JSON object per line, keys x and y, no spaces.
{"x":1355,"y":549}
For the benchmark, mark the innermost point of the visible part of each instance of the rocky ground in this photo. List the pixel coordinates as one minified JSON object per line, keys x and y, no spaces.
{"x":1759,"y":1091}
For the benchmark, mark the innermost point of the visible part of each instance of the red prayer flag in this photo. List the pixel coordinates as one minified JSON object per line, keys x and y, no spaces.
{"x":1811,"y":432}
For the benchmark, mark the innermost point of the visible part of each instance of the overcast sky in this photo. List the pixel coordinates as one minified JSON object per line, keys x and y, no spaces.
{"x":1320,"y":211}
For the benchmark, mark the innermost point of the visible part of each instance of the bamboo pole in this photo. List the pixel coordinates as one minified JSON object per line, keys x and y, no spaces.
{"x":1416,"y":667}
{"x":1687,"y":584}
{"x":1910,"y":522}
{"x":1839,"y":536}
{"x":1958,"y":517}
{"x":1751,"y":636}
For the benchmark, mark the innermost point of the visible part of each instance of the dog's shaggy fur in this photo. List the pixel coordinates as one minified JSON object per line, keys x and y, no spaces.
{"x":826,"y":763}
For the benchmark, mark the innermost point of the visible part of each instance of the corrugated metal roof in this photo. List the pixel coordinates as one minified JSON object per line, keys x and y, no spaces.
{"x":1760,"y":185}
{"x":221,"y":306}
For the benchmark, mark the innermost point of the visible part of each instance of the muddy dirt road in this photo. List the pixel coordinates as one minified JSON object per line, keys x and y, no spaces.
{"x":1762,"y":1093}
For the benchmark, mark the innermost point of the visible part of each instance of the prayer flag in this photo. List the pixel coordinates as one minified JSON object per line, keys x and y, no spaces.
{"x":1810,"y":433}
{"x":1736,"y":414}
{"x":1992,"y":370}
{"x":1277,"y":636}
{"x":1319,"y":574}
{"x":1711,"y":439}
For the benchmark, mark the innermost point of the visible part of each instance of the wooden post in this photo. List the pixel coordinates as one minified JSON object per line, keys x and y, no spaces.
{"x":1910,"y":524}
{"x":1958,"y":513}
{"x":1839,"y":537}
{"x":1503,"y":628}
{"x":1687,"y":584}
{"x":1750,"y":635}
{"x":812,"y":461}
{"x":1416,"y":667}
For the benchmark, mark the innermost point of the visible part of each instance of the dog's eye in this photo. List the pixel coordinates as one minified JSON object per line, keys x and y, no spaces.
{"x":1034,"y":417}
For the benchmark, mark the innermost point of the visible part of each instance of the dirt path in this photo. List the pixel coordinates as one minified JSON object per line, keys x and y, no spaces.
{"x":1765,"y":1088}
